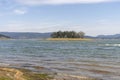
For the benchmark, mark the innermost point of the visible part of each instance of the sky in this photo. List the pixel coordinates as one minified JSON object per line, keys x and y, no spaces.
{"x":94,"y":17}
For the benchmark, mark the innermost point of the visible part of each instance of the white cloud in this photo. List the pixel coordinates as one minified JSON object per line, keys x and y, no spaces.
{"x":41,"y":2}
{"x":20,"y":11}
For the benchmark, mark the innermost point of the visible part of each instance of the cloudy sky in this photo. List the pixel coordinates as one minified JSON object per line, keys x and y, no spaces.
{"x":94,"y":17}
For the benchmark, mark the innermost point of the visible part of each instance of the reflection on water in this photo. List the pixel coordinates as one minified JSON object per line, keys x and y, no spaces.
{"x":98,"y":58}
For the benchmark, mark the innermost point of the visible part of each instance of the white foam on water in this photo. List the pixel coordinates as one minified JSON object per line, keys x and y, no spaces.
{"x":114,"y":45}
{"x":4,"y":64}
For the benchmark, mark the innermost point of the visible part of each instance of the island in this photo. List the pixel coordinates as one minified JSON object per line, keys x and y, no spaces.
{"x":68,"y":36}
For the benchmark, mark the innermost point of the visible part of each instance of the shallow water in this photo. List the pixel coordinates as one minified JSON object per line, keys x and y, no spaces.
{"x":97,"y":58}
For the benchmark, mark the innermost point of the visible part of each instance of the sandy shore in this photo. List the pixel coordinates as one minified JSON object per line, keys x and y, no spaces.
{"x":69,"y":39}
{"x":11,"y":74}
{"x":23,"y":74}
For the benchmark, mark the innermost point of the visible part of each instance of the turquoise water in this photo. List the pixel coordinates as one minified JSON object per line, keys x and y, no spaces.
{"x":98,"y":58}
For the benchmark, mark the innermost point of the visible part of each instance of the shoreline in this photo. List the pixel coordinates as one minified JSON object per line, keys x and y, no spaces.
{"x":69,"y":39}
{"x":7,"y":73}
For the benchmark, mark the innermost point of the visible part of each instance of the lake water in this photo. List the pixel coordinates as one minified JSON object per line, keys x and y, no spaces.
{"x":97,"y":58}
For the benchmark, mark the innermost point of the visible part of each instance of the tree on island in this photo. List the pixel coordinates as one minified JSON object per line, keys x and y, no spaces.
{"x":68,"y":34}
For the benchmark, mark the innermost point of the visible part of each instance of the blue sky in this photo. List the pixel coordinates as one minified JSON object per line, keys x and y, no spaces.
{"x":94,"y":17}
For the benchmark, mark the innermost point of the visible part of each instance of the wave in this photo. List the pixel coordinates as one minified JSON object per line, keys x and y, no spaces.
{"x":4,"y":64}
{"x":113,"y":45}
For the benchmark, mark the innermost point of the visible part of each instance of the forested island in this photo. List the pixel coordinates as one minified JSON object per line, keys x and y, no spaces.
{"x":67,"y":34}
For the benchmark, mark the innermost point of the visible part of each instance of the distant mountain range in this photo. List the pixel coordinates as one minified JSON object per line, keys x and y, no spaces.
{"x":3,"y":36}
{"x":116,"y":36}
{"x":26,"y":35}
{"x":30,"y":35}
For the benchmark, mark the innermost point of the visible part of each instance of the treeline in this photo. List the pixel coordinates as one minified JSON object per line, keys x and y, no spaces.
{"x":68,"y":34}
